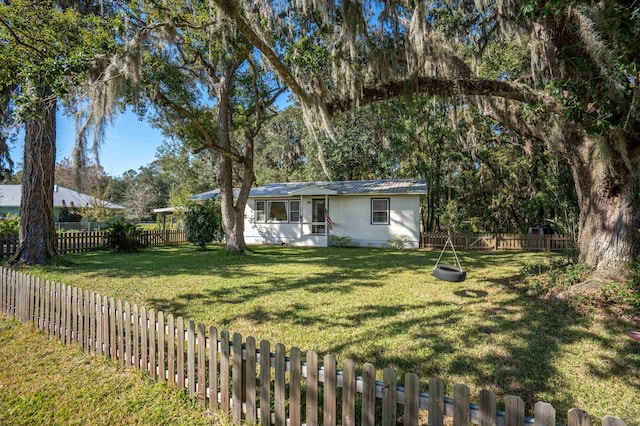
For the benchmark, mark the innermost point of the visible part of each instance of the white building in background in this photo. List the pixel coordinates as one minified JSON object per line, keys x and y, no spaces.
{"x":10,"y":196}
{"x":369,"y":213}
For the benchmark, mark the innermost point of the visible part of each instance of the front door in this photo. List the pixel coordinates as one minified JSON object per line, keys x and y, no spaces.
{"x":318,"y":225}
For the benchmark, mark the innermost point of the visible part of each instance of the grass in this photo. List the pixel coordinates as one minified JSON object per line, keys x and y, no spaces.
{"x":45,"y":383}
{"x":384,"y":307}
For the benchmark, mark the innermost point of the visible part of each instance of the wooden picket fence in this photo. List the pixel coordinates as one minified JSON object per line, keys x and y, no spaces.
{"x":499,"y":242}
{"x":250,"y":383}
{"x":77,"y":242}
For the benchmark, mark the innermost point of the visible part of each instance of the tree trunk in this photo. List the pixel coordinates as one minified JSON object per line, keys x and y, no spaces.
{"x":606,"y":187}
{"x":232,"y":218}
{"x":37,"y":229}
{"x":609,"y":207}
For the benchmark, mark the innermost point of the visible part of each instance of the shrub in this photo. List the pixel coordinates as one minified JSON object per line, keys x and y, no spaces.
{"x":9,"y":224}
{"x":123,"y":236}
{"x":203,"y":223}
{"x":399,"y":243}
{"x":337,"y":241}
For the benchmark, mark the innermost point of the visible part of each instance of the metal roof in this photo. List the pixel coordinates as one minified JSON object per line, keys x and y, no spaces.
{"x":208,"y":195}
{"x":349,"y":187}
{"x":10,"y":196}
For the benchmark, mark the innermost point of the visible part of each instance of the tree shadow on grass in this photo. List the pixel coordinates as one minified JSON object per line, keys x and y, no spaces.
{"x":488,"y":334}
{"x":172,"y":261}
{"x":511,"y":347}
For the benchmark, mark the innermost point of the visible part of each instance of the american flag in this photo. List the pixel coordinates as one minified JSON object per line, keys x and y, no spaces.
{"x":329,"y":221}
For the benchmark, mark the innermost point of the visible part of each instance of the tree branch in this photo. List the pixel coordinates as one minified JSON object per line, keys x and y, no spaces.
{"x":444,"y":87}
{"x":209,"y":142}
{"x":230,"y":9}
{"x":508,"y":112}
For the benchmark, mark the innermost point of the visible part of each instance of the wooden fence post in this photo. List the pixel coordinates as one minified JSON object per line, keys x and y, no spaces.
{"x":144,"y":345}
{"x":545,"y":414}
{"x":152,"y":344}
{"x":411,"y":399}
{"x":41,"y":297}
{"x":213,"y":370}
{"x":389,"y":398}
{"x":111,"y":311}
{"x":330,"y":384}
{"x":461,"y":414}
{"x":180,"y":350}
{"x":171,"y":349}
{"x":224,"y":372}
{"x":576,"y":417}
{"x":77,"y":315}
{"x":436,"y":401}
{"x":162,"y":369}
{"x":120,"y":332}
{"x":92,"y":319}
{"x":368,"y":395}
{"x":488,"y":408}
{"x":612,"y":421}
{"x":514,"y":411}
{"x":105,"y":325}
{"x":279,"y":385}
{"x":295,"y":378}
{"x":128,"y":359}
{"x":236,"y":380}
{"x":99,"y":327}
{"x":311,"y":416}
{"x":250,"y":381}
{"x":58,"y":319}
{"x":265,"y":383}
{"x":135,"y":322}
{"x":202,"y":371}
{"x":191,"y":358}
{"x":348,"y":393}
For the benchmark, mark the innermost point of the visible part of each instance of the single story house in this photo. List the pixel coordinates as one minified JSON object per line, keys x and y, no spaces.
{"x":367,"y":213}
{"x":10,"y":196}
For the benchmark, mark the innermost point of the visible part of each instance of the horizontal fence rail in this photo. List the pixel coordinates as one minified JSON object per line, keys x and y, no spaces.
{"x":499,"y":242}
{"x":249,"y":381}
{"x":77,"y":242}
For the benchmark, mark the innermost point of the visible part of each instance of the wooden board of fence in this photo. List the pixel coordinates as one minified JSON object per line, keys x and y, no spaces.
{"x":498,"y":242}
{"x":229,"y":373}
{"x":78,"y":242}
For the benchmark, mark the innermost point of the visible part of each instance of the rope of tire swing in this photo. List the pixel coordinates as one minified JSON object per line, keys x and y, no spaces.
{"x":449,"y":241}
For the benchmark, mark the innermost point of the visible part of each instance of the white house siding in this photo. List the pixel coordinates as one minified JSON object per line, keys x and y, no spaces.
{"x":351,"y":215}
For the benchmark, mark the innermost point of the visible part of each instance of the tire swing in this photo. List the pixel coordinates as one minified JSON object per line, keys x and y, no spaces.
{"x":451,"y":273}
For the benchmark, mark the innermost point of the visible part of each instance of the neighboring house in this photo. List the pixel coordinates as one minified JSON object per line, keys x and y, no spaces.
{"x":371,"y":213}
{"x":10,"y":196}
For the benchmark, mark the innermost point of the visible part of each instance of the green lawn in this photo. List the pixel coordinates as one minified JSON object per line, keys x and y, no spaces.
{"x":44,"y":383}
{"x":384,"y":307}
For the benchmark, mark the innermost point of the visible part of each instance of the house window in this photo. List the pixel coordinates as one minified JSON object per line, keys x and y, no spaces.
{"x":278,"y":211}
{"x":379,"y":211}
{"x":259,"y":212}
{"x":294,"y":211}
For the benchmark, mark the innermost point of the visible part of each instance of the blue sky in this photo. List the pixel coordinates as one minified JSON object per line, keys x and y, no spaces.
{"x":129,"y":143}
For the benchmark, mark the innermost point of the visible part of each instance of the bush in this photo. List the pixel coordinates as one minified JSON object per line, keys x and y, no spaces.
{"x":9,"y":224}
{"x":123,"y":236}
{"x":336,"y":241}
{"x":399,"y":243}
{"x":203,"y":223}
